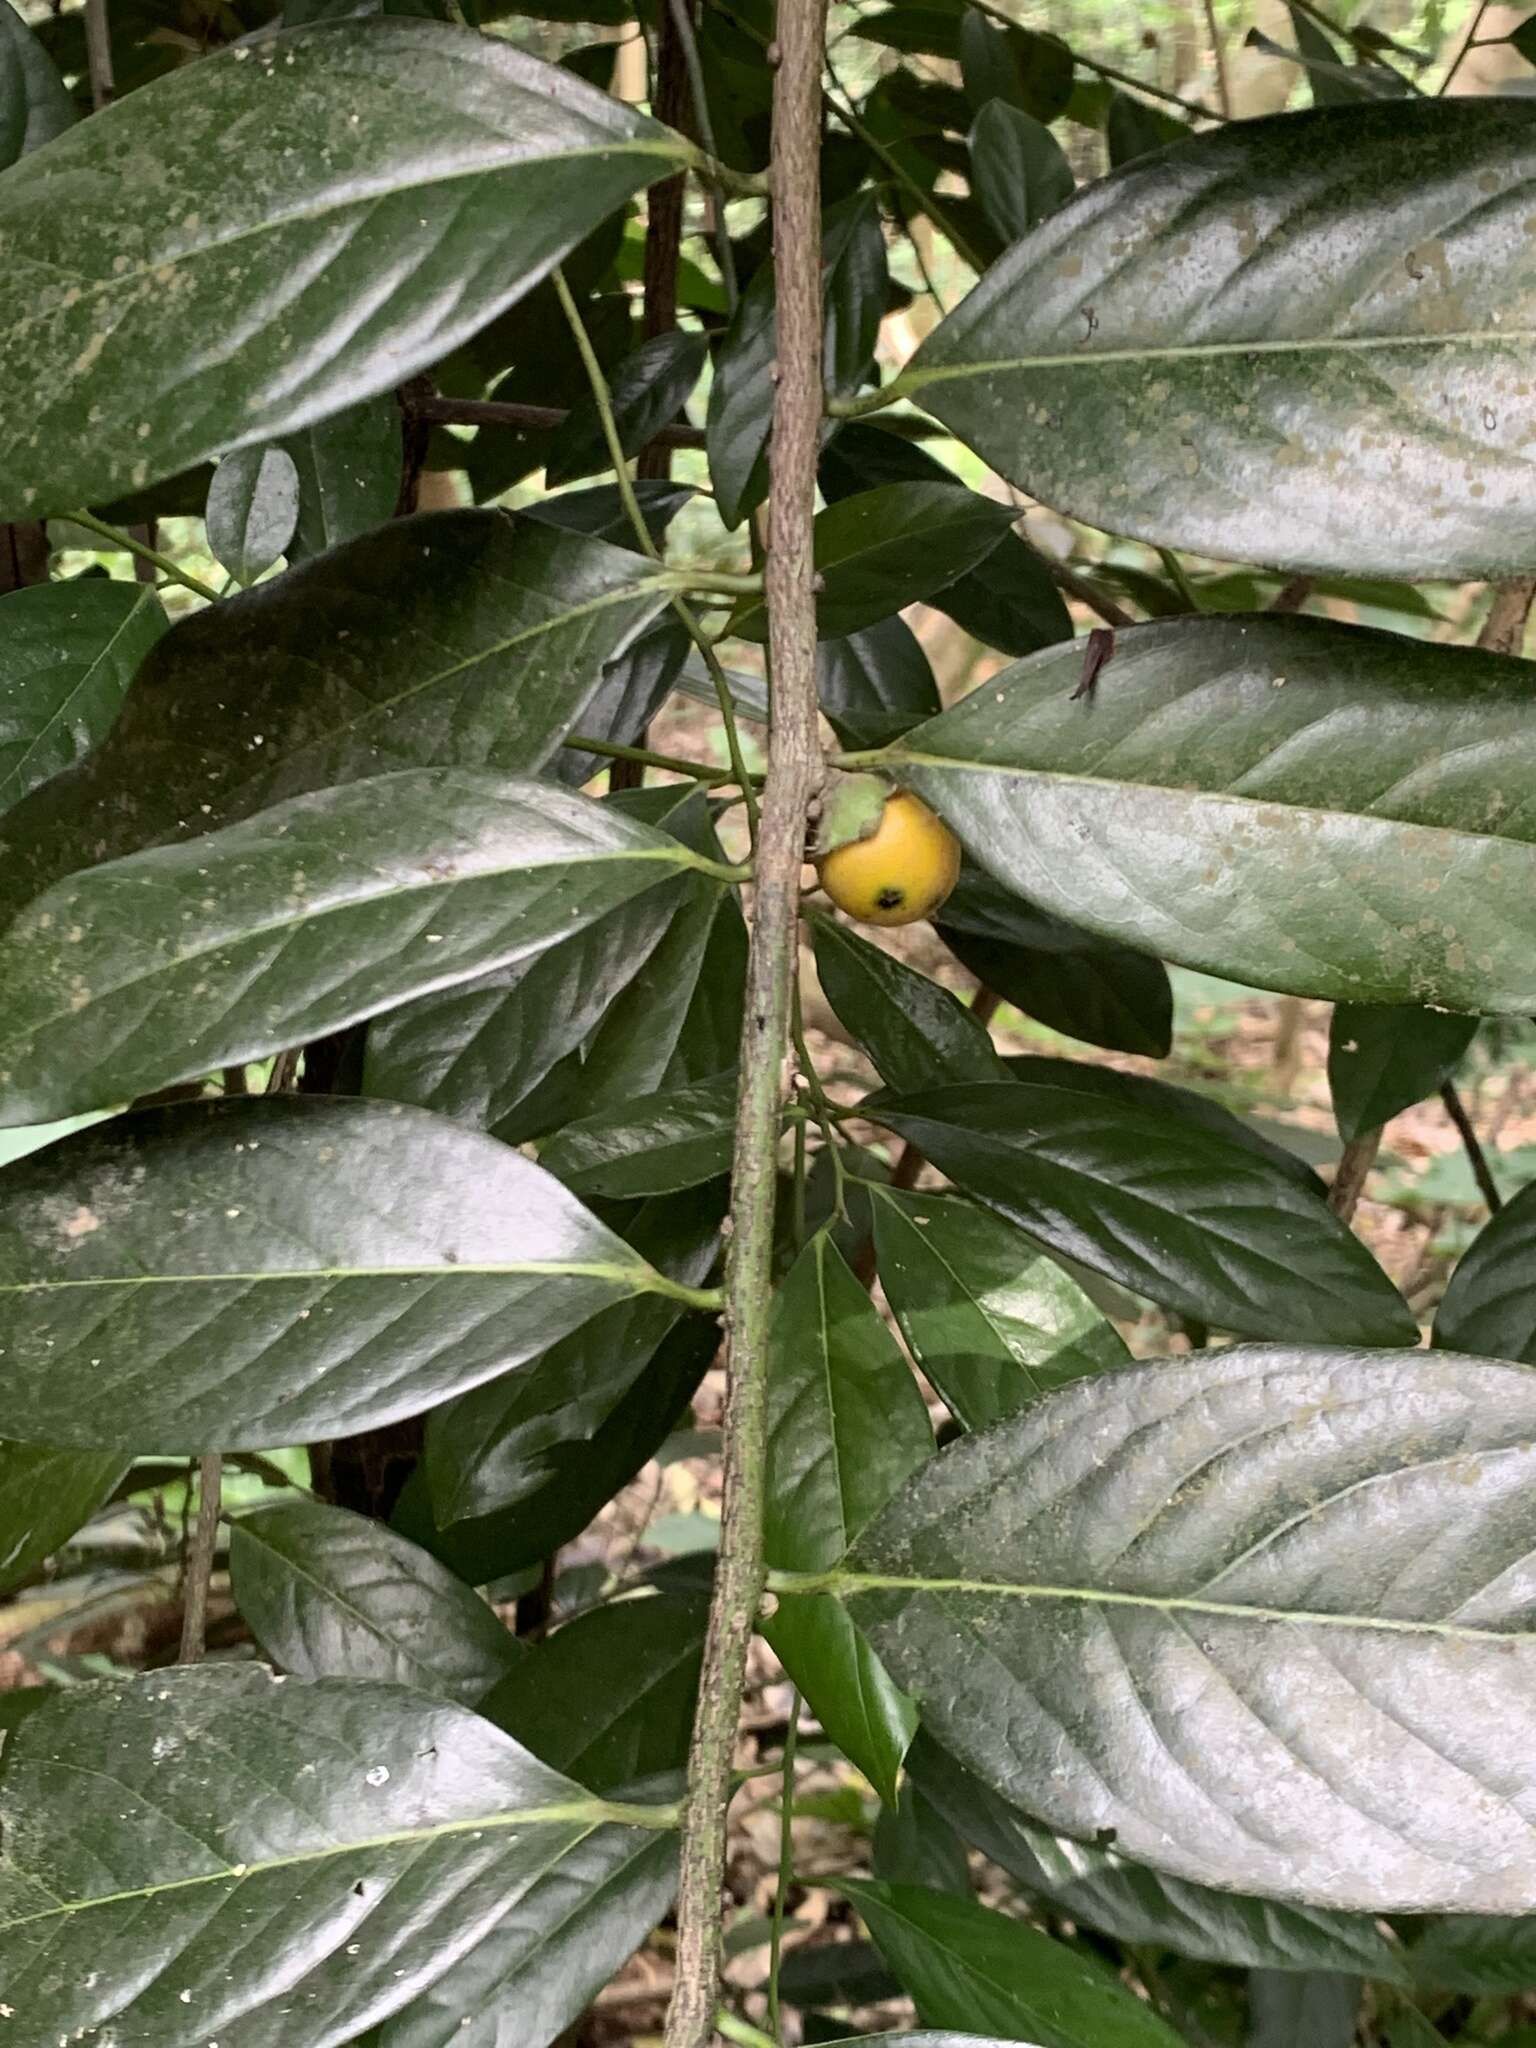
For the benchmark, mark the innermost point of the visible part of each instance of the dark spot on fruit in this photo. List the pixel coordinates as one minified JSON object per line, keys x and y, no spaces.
{"x":890,"y":899}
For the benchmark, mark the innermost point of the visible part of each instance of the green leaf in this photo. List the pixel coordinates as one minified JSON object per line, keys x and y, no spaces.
{"x":1479,"y":1953}
{"x":317,"y":913}
{"x":1008,"y":600}
{"x":917,"y":30}
{"x":1087,"y":987}
{"x":1176,"y":1206}
{"x":676,"y":1138}
{"x":1382,"y":1061}
{"x":498,"y":1445}
{"x":459,"y":639}
{"x":1524,"y":38}
{"x":854,"y":286}
{"x":991,"y":1320}
{"x":601,"y":513}
{"x":1032,"y":72}
{"x":1193,"y":353}
{"x":227,"y":1275}
{"x":349,"y":475}
{"x":1098,"y":1888}
{"x":416,"y":1828}
{"x":1311,"y":785}
{"x":68,"y":652}
{"x":917,"y":1033}
{"x":34,"y":104}
{"x":1133,"y":129}
{"x":1488,"y":1306}
{"x":846,"y":1425}
{"x":253,"y":508}
{"x":582,"y":1477}
{"x":914,"y":1844}
{"x":1310,"y":2009}
{"x":647,"y":391}
{"x":45,"y":1496}
{"x":876,"y":684}
{"x":463,"y":172}
{"x":495,"y":1052}
{"x":967,"y":1966}
{"x":1304,"y":1567}
{"x":609,"y":1698}
{"x":329,"y":1594}
{"x":633,"y":690}
{"x":1018,"y":168}
{"x":890,"y":547}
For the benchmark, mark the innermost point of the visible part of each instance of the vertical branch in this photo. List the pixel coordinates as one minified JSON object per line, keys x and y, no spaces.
{"x":1219,"y":59}
{"x":1355,"y":1163}
{"x":1504,"y":628}
{"x":98,"y":54}
{"x":794,"y":773}
{"x":664,"y":213}
{"x":200,"y":1555}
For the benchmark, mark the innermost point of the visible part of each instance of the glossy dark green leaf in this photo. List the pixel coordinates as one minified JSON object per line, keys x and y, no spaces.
{"x":1382,"y":1061}
{"x":337,"y":258}
{"x":253,"y":508}
{"x":992,"y":1321}
{"x":647,"y":391}
{"x":330,"y":1594}
{"x":317,"y":913}
{"x":609,"y":1698}
{"x":1307,"y":2009}
{"x":633,"y":690}
{"x":1489,"y":1306}
{"x":875,"y":685}
{"x":676,"y":1138}
{"x":1077,"y":983}
{"x":1095,"y":1887}
{"x":1008,"y":600}
{"x":45,"y":1496}
{"x":932,"y":31}
{"x":1177,"y":1207}
{"x":544,"y":370}
{"x":490,"y":1051}
{"x":68,"y":652}
{"x":600,"y":511}
{"x":1029,"y":71}
{"x":1132,"y":128}
{"x":459,"y":639}
{"x":227,"y":1275}
{"x":914,"y":1844}
{"x":541,"y":1966}
{"x":1523,"y":36}
{"x":1018,"y":168}
{"x":854,"y":282}
{"x":1193,"y":353}
{"x":582,"y":1476}
{"x":34,"y":103}
{"x":349,"y":475}
{"x":1342,"y":803}
{"x":500,"y":1444}
{"x":967,"y":1966}
{"x":1485,"y":1952}
{"x":371,"y":1834}
{"x":1274,"y":1631}
{"x":846,"y":1425}
{"x":890,"y":547}
{"x":917,"y":1033}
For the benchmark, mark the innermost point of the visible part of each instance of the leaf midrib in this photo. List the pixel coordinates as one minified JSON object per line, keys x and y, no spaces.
{"x":16,"y":775}
{"x":919,"y":377}
{"x":593,"y":1811}
{"x":842,"y":1583}
{"x":899,"y":757}
{"x":639,"y":1276}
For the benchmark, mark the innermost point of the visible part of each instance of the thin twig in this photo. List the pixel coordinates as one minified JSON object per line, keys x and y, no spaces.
{"x":1504,"y":628}
{"x":1087,"y":593}
{"x":1219,"y":57}
{"x":786,"y":1864}
{"x":1477,"y":1159}
{"x":98,"y":54}
{"x":200,"y":1556}
{"x":682,"y":21}
{"x":117,"y":538}
{"x":1101,"y":70}
{"x":1355,"y":1163}
{"x":1291,"y":596}
{"x":794,"y":774}
{"x":1467,"y":46}
{"x":602,"y":399}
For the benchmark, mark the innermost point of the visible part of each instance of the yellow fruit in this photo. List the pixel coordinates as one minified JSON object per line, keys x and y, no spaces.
{"x":902,"y":872}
